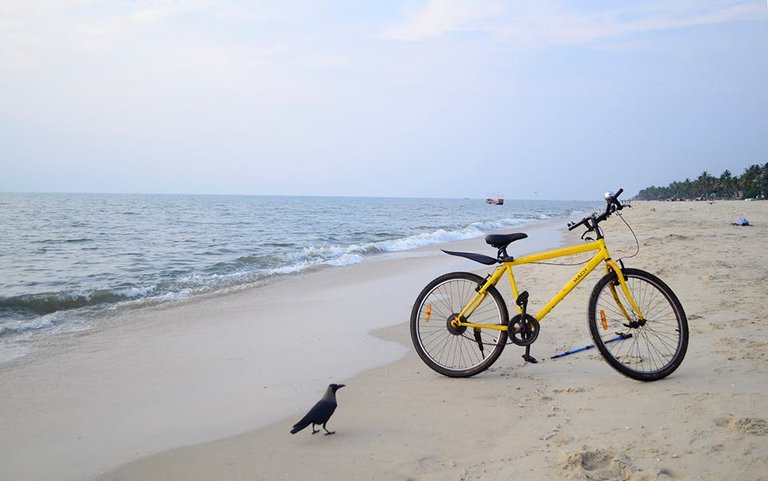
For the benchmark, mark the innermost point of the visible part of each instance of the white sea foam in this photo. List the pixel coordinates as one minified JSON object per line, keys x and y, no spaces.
{"x":421,"y":240}
{"x":43,"y":322}
{"x":290,"y":268}
{"x":345,"y":260}
{"x":340,"y":256}
{"x":136,"y":291}
{"x":211,"y":243}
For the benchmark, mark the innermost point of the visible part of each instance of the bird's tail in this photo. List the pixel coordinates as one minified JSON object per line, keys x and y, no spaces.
{"x":298,"y":427}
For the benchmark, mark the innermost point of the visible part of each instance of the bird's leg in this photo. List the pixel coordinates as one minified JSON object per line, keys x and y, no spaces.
{"x":328,"y":432}
{"x":313,"y":429}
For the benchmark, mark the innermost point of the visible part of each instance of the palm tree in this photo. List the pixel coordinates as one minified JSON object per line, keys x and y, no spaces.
{"x":706,"y":183}
{"x":750,"y":181}
{"x":726,"y":184}
{"x":764,"y":181}
{"x":753,"y":183}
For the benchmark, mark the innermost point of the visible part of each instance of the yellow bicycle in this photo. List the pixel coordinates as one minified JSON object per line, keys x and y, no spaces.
{"x":460,"y":323}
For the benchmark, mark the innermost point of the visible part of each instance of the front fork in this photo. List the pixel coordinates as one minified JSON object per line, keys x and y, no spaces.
{"x":622,"y":281}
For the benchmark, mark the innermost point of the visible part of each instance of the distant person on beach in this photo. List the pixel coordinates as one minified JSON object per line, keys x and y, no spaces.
{"x":741,"y":221}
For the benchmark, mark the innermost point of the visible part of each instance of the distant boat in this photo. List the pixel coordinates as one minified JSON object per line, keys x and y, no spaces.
{"x":498,"y":199}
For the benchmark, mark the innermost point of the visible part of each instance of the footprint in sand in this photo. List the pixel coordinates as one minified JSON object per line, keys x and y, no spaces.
{"x":755,"y":426}
{"x":598,"y":464}
{"x":572,"y":390}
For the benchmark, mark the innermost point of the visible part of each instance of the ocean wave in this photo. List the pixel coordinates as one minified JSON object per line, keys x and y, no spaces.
{"x":142,"y":271}
{"x":345,"y":260}
{"x":179,"y":284}
{"x":36,"y":324}
{"x":441,"y":236}
{"x":50,"y":302}
{"x":301,"y":258}
{"x":79,"y":240}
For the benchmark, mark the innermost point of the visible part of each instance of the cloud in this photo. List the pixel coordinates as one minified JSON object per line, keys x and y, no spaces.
{"x":439,"y":17}
{"x":546,"y":23}
{"x":34,"y":31}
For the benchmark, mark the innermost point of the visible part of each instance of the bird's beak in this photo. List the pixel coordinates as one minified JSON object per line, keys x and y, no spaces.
{"x":340,"y":386}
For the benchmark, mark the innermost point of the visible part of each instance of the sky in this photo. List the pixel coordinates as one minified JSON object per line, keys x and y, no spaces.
{"x":535,"y":99}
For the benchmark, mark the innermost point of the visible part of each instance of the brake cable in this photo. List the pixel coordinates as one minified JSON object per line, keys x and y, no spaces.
{"x":637,"y":242}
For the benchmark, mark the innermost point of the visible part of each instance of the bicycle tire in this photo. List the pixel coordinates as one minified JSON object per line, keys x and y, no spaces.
{"x":450,"y":351}
{"x":657,"y":344}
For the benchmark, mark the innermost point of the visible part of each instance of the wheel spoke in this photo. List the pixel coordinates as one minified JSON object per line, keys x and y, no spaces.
{"x":451,"y":350}
{"x":658,"y":341}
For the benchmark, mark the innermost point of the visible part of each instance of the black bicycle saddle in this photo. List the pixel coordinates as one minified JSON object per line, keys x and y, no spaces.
{"x":503,"y":240}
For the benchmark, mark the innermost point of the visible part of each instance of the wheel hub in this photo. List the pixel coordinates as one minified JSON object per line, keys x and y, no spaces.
{"x":636,"y":324}
{"x":452,"y":322}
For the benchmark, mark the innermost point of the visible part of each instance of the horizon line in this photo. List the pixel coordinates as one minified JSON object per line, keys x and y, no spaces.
{"x":358,"y":196}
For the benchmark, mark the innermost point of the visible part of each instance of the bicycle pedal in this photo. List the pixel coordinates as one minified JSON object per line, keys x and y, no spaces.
{"x":522,"y":300}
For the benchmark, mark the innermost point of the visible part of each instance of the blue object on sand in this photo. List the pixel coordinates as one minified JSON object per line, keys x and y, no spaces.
{"x":620,"y":337}
{"x":742,"y":221}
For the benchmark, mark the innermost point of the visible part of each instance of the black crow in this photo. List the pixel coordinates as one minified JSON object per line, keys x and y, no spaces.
{"x":320,"y":412}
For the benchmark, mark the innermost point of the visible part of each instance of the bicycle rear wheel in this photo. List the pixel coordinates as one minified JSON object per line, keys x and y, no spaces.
{"x":462,"y":351}
{"x":643,"y":349}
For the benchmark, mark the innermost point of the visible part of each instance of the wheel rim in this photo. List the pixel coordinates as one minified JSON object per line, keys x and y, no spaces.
{"x":451,"y":348}
{"x":655,"y":340}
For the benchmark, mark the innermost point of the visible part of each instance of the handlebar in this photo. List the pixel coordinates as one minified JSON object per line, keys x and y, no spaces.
{"x":591,"y":222}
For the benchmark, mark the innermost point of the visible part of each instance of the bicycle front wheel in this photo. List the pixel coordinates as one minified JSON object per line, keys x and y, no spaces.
{"x":457,"y":351}
{"x":644,"y":349}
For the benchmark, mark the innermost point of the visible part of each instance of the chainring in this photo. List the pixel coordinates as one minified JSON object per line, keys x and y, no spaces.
{"x":523,"y":333}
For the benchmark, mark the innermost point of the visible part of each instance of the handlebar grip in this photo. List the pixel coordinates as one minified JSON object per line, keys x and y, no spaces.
{"x":616,"y":202}
{"x":573,"y":225}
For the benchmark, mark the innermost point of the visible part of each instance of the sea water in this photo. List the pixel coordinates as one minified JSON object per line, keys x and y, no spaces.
{"x":66,"y":259}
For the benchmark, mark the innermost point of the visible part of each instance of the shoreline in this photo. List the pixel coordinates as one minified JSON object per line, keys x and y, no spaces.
{"x":568,"y":418}
{"x":127,"y":254}
{"x":19,"y":344}
{"x":192,"y":372}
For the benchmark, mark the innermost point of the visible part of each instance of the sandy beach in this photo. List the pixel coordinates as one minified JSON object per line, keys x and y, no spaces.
{"x":196,"y":392}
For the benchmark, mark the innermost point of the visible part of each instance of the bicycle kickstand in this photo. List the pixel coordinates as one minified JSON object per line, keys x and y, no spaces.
{"x":522,"y":301}
{"x":527,"y":356}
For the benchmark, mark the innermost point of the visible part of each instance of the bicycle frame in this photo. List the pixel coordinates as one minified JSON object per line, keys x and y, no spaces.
{"x":601,"y":255}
